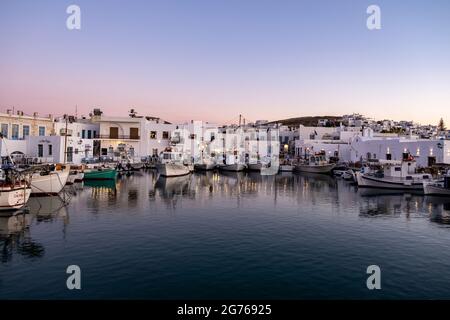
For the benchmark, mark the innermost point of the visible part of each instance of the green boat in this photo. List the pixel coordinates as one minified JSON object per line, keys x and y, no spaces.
{"x":100,"y":174}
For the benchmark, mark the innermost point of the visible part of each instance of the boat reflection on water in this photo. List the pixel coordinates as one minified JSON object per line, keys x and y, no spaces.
{"x":375,"y":192}
{"x":14,"y":223}
{"x":102,"y":188}
{"x":438,"y":209}
{"x":167,"y":187}
{"x":15,"y":237}
{"x":48,"y":208}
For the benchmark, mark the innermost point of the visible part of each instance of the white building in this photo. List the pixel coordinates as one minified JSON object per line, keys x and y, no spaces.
{"x":425,"y":151}
{"x":333,"y":141}
{"x":140,"y":136}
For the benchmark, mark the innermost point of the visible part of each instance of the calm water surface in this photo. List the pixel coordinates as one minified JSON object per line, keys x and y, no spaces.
{"x":227,"y":236}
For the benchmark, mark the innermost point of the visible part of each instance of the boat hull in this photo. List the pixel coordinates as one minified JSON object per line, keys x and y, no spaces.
{"x":172,"y":169}
{"x":325,"y":169}
{"x":51,"y":183}
{"x":12,"y":199}
{"x":137,"y":166}
{"x":105,"y":174}
{"x":286,"y":168}
{"x":435,"y":190}
{"x":232,"y":167}
{"x":204,"y":166}
{"x":254,"y":166}
{"x":365,"y":181}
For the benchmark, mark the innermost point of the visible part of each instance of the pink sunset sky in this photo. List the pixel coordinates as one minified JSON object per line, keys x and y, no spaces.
{"x":217,"y":60}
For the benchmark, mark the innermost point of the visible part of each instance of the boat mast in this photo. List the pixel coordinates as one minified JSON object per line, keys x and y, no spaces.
{"x":65,"y":139}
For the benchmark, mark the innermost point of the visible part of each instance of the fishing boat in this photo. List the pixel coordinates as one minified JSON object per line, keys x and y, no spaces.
{"x":14,"y":189}
{"x":339,"y":171}
{"x":76,"y":175}
{"x":349,"y":175}
{"x":315,"y":164}
{"x":399,"y":175}
{"x":171,"y":164}
{"x":231,"y":163}
{"x":100,"y":173}
{"x":286,"y":166}
{"x":438,"y":187}
{"x":49,"y":179}
{"x":205,"y":166}
{"x":232,"y":167}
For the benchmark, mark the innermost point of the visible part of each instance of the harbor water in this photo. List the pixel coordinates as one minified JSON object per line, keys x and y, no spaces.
{"x":233,"y":235}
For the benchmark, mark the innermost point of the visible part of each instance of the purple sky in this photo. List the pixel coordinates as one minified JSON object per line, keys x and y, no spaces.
{"x":211,"y":60}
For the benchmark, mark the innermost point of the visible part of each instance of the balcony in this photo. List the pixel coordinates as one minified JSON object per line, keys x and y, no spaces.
{"x":116,"y":137}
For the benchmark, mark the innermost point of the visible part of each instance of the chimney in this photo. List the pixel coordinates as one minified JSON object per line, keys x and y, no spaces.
{"x":19,"y":113}
{"x":35,"y":114}
{"x":9,"y":111}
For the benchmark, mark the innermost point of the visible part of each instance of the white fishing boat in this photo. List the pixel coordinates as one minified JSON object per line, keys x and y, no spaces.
{"x":171,"y":164}
{"x":438,"y":187}
{"x":349,"y":175}
{"x":400,"y":175}
{"x":339,"y":171}
{"x":14,"y":190}
{"x":14,"y":185}
{"x":232,"y":167}
{"x":316,"y":164}
{"x":50,"y":180}
{"x":286,"y":168}
{"x":231,"y":162}
{"x":76,"y":175}
{"x":205,"y":165}
{"x":254,"y":166}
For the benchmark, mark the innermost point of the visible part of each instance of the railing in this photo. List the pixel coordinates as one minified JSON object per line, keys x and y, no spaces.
{"x":120,"y":137}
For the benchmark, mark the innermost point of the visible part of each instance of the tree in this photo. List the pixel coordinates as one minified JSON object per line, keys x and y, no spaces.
{"x":441,"y":125}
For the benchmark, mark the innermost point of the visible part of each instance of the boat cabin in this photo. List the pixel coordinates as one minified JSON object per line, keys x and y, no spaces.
{"x":402,"y":169}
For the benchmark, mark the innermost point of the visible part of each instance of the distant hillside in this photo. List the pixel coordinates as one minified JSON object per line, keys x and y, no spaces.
{"x":310,"y":121}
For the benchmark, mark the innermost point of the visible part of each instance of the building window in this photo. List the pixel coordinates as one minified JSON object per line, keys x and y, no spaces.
{"x":5,"y":130}
{"x":95,"y":134}
{"x":155,"y":152}
{"x":165,"y":135}
{"x":41,"y":131}
{"x":15,"y":132}
{"x":50,"y":150}
{"x":152,"y":134}
{"x":134,"y":133}
{"x":89,"y":134}
{"x":69,"y":154}
{"x":40,"y":150}
{"x":25,"y":131}
{"x":104,"y":151}
{"x":83,"y":134}
{"x":114,"y":132}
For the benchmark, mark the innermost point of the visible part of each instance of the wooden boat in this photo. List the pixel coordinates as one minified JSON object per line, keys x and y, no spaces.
{"x":236,"y":167}
{"x":49,"y":180}
{"x":398,"y":175}
{"x":316,"y":164}
{"x":171,"y":164}
{"x":14,"y":190}
{"x":438,"y":187}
